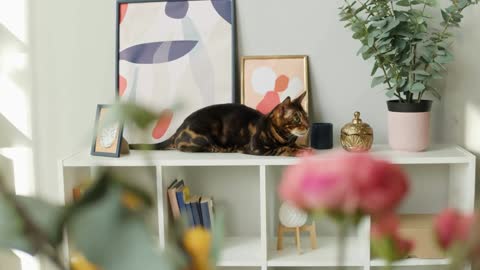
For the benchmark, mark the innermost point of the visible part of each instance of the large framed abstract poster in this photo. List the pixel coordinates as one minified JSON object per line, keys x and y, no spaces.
{"x":174,"y":54}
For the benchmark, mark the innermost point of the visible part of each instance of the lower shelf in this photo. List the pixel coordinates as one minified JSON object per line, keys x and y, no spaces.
{"x":412,"y":262}
{"x":246,"y":252}
{"x":241,"y":251}
{"x":324,"y":255}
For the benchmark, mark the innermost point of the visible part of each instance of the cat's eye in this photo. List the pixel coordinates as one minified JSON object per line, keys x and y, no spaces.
{"x":296,"y":119}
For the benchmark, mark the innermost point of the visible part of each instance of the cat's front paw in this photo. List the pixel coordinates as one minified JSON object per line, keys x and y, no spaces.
{"x":296,"y":152}
{"x":305,"y":152}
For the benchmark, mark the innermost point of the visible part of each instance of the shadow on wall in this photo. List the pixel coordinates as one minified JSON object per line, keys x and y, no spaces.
{"x":462,"y":95}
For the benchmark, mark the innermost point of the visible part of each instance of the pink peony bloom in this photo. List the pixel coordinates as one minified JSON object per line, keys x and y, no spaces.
{"x":344,"y":183}
{"x":384,"y":226}
{"x":452,"y":227}
{"x":386,"y":240}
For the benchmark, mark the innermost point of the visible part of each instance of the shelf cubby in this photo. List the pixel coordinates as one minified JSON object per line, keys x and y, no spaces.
{"x":245,"y":188}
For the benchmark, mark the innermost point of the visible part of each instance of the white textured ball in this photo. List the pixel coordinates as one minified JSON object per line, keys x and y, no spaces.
{"x":291,"y":217}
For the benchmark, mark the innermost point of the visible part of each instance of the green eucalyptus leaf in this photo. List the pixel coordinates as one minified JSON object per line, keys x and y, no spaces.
{"x":377,"y":80}
{"x":444,"y":59}
{"x":445,"y":15}
{"x":390,"y":93}
{"x":421,"y":72}
{"x":374,"y":69}
{"x":363,"y":49}
{"x":380,"y":23}
{"x":403,"y":3}
{"x":417,"y":87}
{"x":391,"y":25}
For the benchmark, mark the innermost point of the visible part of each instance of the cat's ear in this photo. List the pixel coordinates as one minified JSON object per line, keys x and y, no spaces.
{"x":299,"y":99}
{"x":287,"y":101}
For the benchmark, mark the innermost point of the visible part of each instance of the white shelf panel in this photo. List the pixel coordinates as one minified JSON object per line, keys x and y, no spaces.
{"x":439,"y":154}
{"x":412,"y":262}
{"x":324,"y":255}
{"x":241,"y":251}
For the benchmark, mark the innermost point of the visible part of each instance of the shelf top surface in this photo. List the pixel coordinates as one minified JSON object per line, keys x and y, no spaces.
{"x":439,"y":154}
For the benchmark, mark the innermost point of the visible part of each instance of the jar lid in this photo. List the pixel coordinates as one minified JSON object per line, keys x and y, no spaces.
{"x":357,"y":127}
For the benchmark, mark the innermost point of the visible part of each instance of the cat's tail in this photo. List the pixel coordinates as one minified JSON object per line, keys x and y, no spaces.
{"x":165,"y":145}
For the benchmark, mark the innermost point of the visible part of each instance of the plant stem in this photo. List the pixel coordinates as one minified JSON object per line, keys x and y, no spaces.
{"x":34,"y":235}
{"x":342,"y":239}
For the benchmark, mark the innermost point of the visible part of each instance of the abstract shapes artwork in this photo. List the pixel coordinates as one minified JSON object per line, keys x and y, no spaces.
{"x":175,"y":55}
{"x":268,"y":80}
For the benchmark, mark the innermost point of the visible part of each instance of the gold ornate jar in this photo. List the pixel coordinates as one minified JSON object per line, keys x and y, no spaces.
{"x":357,"y":136}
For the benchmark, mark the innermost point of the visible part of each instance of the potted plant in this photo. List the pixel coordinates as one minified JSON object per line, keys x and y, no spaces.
{"x":410,"y":49}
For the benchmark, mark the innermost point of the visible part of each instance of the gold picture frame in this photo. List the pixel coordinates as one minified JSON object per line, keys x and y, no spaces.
{"x":285,"y":75}
{"x":306,"y":77}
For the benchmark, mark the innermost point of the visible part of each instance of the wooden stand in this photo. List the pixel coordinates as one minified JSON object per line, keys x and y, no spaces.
{"x":124,"y":147}
{"x":305,"y":228}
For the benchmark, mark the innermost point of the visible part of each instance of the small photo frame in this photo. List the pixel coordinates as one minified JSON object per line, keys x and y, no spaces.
{"x":268,"y":80}
{"x":107,"y":141}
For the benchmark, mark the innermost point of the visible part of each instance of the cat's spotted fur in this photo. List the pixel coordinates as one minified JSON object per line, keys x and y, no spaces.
{"x":229,"y":128}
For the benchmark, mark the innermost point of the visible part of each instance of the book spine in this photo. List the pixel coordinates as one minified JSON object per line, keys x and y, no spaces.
{"x":211,"y":213}
{"x":172,"y":196}
{"x":196,"y":214}
{"x":181,"y":202}
{"x":189,"y":214}
{"x":205,"y":215}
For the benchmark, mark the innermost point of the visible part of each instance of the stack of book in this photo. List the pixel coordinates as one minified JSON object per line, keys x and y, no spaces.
{"x":197,"y":209}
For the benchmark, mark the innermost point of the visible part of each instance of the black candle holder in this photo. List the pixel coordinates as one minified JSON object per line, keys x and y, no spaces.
{"x":321,"y":136}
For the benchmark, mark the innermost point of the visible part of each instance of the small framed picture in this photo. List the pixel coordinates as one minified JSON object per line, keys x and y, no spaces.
{"x":268,"y":80}
{"x":107,"y":141}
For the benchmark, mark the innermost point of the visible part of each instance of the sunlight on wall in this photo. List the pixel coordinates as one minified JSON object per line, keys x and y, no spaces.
{"x":27,"y":262}
{"x":15,"y":105}
{"x":22,"y":160}
{"x":472,"y":129}
{"x":13,"y":15}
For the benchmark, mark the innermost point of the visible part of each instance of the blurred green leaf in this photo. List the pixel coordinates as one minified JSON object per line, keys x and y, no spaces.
{"x":11,"y":232}
{"x":110,"y":235}
{"x":218,"y":236}
{"x":14,"y":234}
{"x":133,"y":113}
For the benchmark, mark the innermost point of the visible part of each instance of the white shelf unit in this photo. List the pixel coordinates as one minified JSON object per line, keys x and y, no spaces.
{"x":245,"y":187}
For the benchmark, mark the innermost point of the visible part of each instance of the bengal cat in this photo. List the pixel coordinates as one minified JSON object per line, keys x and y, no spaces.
{"x":229,"y":128}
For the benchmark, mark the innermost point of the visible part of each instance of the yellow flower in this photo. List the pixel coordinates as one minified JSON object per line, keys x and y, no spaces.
{"x":197,"y":242}
{"x":79,"y":262}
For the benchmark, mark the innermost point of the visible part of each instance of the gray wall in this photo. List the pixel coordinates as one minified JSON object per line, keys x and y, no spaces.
{"x":72,"y":51}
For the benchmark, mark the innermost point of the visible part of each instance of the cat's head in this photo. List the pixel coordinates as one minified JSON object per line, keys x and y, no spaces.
{"x":290,"y":117}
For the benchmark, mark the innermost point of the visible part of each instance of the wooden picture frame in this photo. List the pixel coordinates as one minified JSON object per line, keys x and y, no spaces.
{"x":112,"y":136}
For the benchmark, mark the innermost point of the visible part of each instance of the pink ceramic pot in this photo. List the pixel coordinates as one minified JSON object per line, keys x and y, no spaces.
{"x":409,"y":125}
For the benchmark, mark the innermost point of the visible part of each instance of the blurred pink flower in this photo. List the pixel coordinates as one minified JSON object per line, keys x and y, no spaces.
{"x":384,"y":226}
{"x":345,"y":183}
{"x":386,"y":240}
{"x":453,"y":227}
